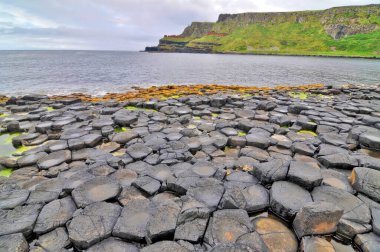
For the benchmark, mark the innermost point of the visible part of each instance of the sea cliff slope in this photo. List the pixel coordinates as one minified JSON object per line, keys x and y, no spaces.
{"x":351,"y":31}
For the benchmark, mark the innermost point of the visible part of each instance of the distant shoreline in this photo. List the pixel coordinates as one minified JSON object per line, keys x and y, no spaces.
{"x":272,"y":54}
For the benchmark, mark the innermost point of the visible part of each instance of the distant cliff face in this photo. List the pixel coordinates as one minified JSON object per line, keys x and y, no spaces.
{"x":345,"y":31}
{"x":197,"y":29}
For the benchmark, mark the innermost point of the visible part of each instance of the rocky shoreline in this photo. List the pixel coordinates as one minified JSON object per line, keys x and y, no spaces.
{"x":192,"y":168}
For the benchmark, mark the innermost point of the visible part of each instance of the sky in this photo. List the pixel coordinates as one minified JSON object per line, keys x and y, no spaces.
{"x":122,"y":24}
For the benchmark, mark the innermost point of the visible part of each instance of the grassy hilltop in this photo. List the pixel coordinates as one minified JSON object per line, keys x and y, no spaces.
{"x":351,"y":31}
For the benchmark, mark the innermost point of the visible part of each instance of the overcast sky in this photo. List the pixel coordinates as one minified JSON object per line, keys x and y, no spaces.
{"x":122,"y":24}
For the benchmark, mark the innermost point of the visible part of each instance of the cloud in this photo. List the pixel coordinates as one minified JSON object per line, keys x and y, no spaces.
{"x":121,"y":24}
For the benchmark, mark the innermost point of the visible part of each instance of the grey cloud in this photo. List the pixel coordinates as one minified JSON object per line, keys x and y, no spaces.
{"x":121,"y":24}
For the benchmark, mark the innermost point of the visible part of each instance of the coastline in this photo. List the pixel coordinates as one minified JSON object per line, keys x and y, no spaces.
{"x":168,"y":91}
{"x":270,"y":54}
{"x":206,"y":166}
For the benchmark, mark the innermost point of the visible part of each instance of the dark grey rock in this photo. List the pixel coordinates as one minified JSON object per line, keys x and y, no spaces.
{"x":167,"y":246}
{"x":124,"y":177}
{"x":226,"y":226}
{"x":286,"y":199}
{"x":317,"y":218}
{"x":229,"y":131}
{"x":237,"y":141}
{"x":53,"y":241}
{"x":57,"y":145}
{"x":310,"y":243}
{"x":113,"y":245}
{"x":349,"y":229}
{"x":163,"y":221}
{"x":327,"y":149}
{"x":243,"y":177}
{"x":46,"y":191}
{"x":138,"y":151}
{"x":258,"y":141}
{"x":54,"y":159}
{"x":305,"y":174}
{"x":19,"y":220}
{"x":354,"y":209}
{"x":275,"y":234}
{"x":366,"y":181}
{"x":336,"y":179}
{"x":30,"y":160}
{"x":124,"y":118}
{"x":124,"y":137}
{"x":208,"y":191}
{"x":140,"y":167}
{"x":271,"y":171}
{"x":303,"y":148}
{"x":95,"y":190}
{"x":255,"y":153}
{"x":192,"y":220}
{"x":93,"y":224}
{"x":370,"y":140}
{"x":297,"y":108}
{"x":54,"y":214}
{"x":161,"y":172}
{"x":147,"y":184}
{"x":130,"y":193}
{"x":91,"y":140}
{"x":73,"y":133}
{"x":368,"y":242}
{"x":233,"y":198}
{"x":256,"y":197}
{"x":181,"y":185}
{"x":133,"y":221}
{"x":338,"y":160}
{"x":254,"y":241}
{"x":43,"y":127}
{"x":232,"y":248}
{"x":13,"y":243}
{"x":13,"y":198}
{"x":76,"y":144}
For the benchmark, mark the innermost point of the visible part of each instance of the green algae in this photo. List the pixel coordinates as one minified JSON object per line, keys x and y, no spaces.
{"x":164,"y":98}
{"x":50,"y":109}
{"x":246,"y":95}
{"x":299,"y":95}
{"x":22,"y":149}
{"x":191,"y":126}
{"x":6,"y":146}
{"x":133,"y":108}
{"x":6,"y":172}
{"x":215,"y":115}
{"x":174,"y":97}
{"x":308,"y":132}
{"x":122,"y":129}
{"x":305,"y":95}
{"x":241,"y":133}
{"x":197,"y":118}
{"x":4,"y":115}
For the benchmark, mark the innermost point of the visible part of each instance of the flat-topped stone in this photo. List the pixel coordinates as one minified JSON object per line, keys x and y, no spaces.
{"x":95,"y":190}
{"x":93,"y":224}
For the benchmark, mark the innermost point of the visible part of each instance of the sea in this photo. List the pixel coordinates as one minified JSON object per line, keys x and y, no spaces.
{"x":100,"y":72}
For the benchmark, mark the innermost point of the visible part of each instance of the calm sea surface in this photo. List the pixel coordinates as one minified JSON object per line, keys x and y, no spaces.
{"x":98,"y":72}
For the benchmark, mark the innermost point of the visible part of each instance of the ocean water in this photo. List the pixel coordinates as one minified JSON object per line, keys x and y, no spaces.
{"x":99,"y":72}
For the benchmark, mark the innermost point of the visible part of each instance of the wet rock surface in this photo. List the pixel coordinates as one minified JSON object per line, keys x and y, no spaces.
{"x":213,"y":172}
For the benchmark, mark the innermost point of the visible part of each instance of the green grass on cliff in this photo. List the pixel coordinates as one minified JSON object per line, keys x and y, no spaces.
{"x":296,"y":39}
{"x":286,"y":34}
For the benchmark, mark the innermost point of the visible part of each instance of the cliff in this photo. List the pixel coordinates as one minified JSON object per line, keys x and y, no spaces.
{"x":339,"y":31}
